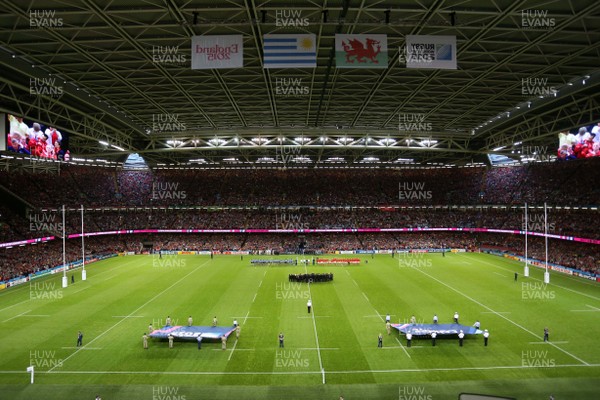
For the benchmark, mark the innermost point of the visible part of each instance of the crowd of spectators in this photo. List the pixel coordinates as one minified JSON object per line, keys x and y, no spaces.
{"x":566,"y":222}
{"x":12,"y":225}
{"x":315,"y":199}
{"x":24,"y":260}
{"x":569,"y":183}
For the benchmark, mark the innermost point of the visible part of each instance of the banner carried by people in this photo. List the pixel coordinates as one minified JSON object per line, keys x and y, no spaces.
{"x":192,"y":332}
{"x":429,"y":51}
{"x":218,"y":51}
{"x":290,"y":51}
{"x":361,"y":51}
{"x":440,"y":329}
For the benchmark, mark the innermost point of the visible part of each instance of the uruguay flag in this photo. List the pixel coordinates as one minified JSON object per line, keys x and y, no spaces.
{"x":290,"y":51}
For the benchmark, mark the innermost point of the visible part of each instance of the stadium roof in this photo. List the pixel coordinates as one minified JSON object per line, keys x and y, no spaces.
{"x":123,"y":83}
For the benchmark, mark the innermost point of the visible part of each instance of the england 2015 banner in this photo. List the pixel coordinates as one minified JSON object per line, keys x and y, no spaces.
{"x":361,"y":51}
{"x":220,"y":51}
{"x":427,"y":51}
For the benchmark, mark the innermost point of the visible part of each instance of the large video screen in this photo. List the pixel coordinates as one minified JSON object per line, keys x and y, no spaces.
{"x":583,"y":142}
{"x":27,"y":136}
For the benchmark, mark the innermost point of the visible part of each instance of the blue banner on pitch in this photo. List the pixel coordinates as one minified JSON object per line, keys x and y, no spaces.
{"x":440,"y":329}
{"x":192,"y":332}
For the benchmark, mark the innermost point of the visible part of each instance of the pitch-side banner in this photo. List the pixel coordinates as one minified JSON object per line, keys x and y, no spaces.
{"x":361,"y":51}
{"x":427,"y":51}
{"x":215,"y":52}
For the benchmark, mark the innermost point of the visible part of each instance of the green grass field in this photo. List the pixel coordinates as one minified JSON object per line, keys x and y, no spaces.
{"x":39,"y":324}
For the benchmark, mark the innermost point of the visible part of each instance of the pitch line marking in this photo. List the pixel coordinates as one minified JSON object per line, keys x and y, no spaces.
{"x":500,"y":315}
{"x":246,"y":317}
{"x":128,"y":316}
{"x":502,"y":275}
{"x":384,"y":371}
{"x":17,"y":316}
{"x":286,"y":348}
{"x":132,"y":313}
{"x":535,"y":279}
{"x":402,"y":347}
{"x":353,"y":281}
{"x":548,"y":342}
{"x":254,"y":297}
{"x":322,"y":370}
{"x":595,"y":308}
{"x":81,"y":290}
{"x":232,"y":350}
{"x":382,"y":319}
{"x":16,"y":304}
{"x":83,"y":348}
{"x":14,"y":289}
{"x":378,"y":316}
{"x":318,"y":316}
{"x":495,"y":312}
{"x":236,"y":341}
{"x":118,"y":268}
{"x":585,"y":310}
{"x":320,"y":348}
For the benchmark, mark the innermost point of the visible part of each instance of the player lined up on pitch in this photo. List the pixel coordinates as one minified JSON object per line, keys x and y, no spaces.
{"x":311,"y":278}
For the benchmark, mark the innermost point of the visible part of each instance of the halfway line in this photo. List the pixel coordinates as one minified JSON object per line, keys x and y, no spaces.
{"x":315,"y":329}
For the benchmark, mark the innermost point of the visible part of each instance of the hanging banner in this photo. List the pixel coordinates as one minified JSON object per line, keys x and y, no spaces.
{"x":427,"y":51}
{"x":290,"y":51}
{"x":217,"y":52}
{"x":361,"y":51}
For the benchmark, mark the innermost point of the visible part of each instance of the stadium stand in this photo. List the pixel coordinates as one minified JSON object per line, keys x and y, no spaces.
{"x":269,"y":199}
{"x":561,"y":183}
